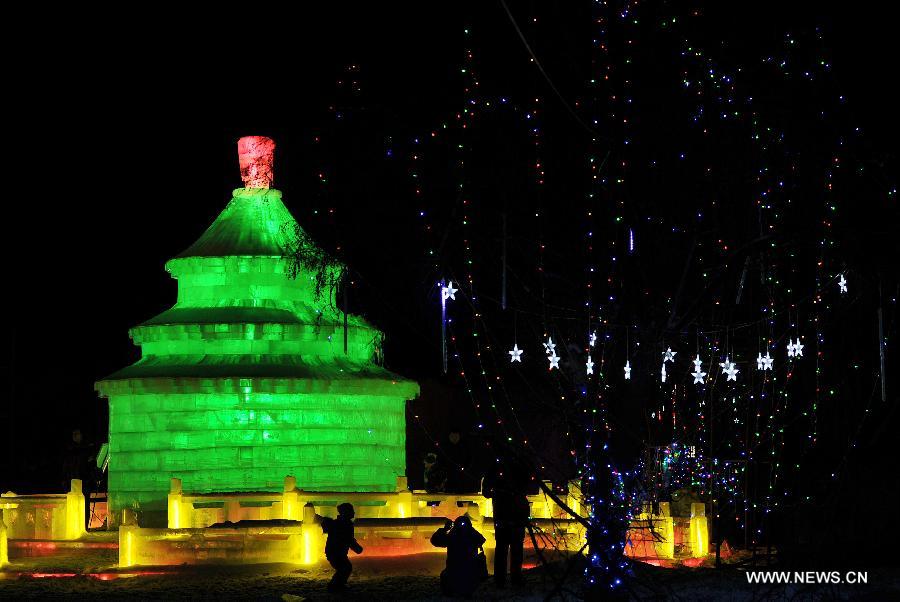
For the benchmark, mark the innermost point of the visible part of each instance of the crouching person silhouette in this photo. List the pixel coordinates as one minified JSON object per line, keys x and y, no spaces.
{"x":340,"y":541}
{"x":463,"y":572}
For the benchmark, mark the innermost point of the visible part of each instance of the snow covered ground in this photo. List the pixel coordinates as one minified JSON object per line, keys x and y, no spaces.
{"x":62,"y":572}
{"x":65,"y":570}
{"x":399,"y":578}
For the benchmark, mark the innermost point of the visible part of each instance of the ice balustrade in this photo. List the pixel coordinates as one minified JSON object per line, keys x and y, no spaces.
{"x":248,"y":527}
{"x":657,"y":534}
{"x":57,"y":516}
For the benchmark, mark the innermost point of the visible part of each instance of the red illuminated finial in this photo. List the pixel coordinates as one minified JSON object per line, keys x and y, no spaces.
{"x":257,"y":158}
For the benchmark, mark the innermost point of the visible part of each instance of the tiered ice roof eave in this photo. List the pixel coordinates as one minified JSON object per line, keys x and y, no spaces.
{"x":254,"y":225}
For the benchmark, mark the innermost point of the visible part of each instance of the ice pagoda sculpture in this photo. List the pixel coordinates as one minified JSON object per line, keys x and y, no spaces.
{"x":246,"y":379}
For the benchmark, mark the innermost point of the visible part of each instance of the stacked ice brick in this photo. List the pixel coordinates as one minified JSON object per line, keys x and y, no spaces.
{"x":246,"y":379}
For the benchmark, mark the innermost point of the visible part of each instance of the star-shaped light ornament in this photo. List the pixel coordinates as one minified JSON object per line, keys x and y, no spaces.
{"x":550,"y":346}
{"x":554,"y":360}
{"x":798,"y":348}
{"x":628,"y":370}
{"x":515,"y":354}
{"x":697,"y":363}
{"x":669,"y":355}
{"x":724,"y":365}
{"x":732,"y":372}
{"x":764,"y":362}
{"x":590,"y":365}
{"x":698,"y":376}
{"x":593,"y":338}
{"x":662,"y":373}
{"x":842,"y":285}
{"x":790,"y":348}
{"x":448,"y":292}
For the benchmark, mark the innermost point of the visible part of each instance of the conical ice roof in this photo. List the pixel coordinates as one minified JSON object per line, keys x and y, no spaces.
{"x":254,"y":223}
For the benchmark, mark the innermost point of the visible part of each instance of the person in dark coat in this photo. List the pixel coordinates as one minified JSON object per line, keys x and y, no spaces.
{"x":507,"y":486}
{"x":462,"y":575}
{"x":340,"y":541}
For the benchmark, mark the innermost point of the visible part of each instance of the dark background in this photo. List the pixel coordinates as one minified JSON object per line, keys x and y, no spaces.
{"x":124,"y":152}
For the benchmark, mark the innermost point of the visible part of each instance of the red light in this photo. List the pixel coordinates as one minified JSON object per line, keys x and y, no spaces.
{"x":256,"y":155}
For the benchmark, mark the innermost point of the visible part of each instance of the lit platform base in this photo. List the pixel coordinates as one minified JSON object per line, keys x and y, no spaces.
{"x":293,"y":542}
{"x":659,"y":537}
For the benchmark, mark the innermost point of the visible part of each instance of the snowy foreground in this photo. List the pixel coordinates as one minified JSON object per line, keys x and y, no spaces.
{"x":88,"y":573}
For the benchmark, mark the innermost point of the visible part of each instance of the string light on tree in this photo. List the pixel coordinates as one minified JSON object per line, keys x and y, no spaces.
{"x":766,"y":396}
{"x":447,"y":292}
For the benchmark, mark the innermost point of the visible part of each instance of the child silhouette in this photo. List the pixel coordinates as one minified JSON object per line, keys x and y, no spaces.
{"x":340,"y":541}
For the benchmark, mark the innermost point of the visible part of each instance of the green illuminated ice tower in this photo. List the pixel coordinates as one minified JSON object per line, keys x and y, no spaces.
{"x":246,"y":379}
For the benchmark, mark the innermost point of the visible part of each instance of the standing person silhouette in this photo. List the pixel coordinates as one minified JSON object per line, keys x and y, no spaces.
{"x":340,"y":541}
{"x":462,"y":575}
{"x":508,"y":485}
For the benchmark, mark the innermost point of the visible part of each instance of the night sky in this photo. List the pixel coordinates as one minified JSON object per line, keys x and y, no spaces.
{"x":123,"y":152}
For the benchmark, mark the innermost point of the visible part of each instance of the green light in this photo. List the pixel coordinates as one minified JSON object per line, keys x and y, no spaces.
{"x":245,"y":380}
